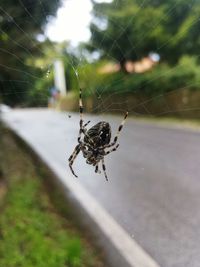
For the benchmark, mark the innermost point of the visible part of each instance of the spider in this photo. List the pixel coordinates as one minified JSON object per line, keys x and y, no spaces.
{"x":95,"y":141}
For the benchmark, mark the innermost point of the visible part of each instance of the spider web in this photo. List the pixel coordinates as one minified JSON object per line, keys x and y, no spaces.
{"x":114,"y":102}
{"x":104,"y":104}
{"x":143,"y":107}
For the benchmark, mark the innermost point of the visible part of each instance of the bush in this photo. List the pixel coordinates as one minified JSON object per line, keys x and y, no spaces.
{"x":163,"y":78}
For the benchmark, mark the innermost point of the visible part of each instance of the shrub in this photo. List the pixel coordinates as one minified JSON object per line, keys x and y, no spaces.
{"x":163,"y":78}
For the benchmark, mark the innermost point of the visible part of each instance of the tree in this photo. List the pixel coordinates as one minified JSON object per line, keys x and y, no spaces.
{"x":128,"y":29}
{"x":20,"y":25}
{"x":39,"y":94}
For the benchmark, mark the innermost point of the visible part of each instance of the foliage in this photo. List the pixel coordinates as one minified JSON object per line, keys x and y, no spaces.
{"x":163,"y":78}
{"x":129,"y":30}
{"x":20,"y":25}
{"x":40,"y":92}
{"x":90,"y":78}
{"x":32,"y":232}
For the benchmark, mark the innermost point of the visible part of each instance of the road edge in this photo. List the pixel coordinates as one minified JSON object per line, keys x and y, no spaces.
{"x":118,"y":246}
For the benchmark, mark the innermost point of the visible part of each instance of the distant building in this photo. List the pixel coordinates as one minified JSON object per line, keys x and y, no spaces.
{"x":140,"y":66}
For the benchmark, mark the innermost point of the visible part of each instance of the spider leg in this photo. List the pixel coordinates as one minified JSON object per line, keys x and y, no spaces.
{"x":118,"y":132}
{"x":97,"y":169}
{"x":114,"y":149}
{"x":81,"y":115}
{"x":82,"y":127}
{"x":86,"y":124}
{"x":104,"y":169}
{"x":81,"y":108}
{"x":73,"y":157}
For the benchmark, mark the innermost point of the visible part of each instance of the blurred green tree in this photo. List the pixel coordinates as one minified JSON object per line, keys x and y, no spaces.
{"x":51,"y":50}
{"x":130,"y":29}
{"x":20,"y":25}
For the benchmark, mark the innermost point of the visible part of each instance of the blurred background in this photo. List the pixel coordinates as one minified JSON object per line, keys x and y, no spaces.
{"x":143,"y":54}
{"x":140,"y":56}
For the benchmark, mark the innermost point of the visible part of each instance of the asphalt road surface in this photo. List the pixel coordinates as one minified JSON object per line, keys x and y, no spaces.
{"x":153,"y":190}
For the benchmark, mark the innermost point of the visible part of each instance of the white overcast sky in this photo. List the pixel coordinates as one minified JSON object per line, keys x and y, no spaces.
{"x":72,"y":21}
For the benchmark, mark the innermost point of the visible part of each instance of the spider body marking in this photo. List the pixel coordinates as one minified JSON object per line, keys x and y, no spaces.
{"x":95,"y":139}
{"x":95,"y":142}
{"x":98,"y":135}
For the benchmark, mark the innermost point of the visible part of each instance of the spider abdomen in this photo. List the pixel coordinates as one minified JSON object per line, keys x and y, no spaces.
{"x":98,"y":135}
{"x":96,"y":141}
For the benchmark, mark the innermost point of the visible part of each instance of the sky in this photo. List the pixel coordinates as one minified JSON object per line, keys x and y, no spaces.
{"x":72,"y":22}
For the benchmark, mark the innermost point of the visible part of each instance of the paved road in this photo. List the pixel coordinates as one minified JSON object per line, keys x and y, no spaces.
{"x":154,"y":179}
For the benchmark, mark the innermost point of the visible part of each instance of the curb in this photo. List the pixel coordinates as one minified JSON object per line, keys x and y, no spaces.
{"x":119,"y":249}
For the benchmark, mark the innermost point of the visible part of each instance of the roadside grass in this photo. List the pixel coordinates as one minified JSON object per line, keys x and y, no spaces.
{"x":32,"y":231}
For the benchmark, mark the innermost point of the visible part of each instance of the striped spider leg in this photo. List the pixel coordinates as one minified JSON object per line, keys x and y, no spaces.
{"x":95,"y":141}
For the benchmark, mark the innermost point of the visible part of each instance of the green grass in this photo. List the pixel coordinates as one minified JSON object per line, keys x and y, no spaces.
{"x":32,"y":232}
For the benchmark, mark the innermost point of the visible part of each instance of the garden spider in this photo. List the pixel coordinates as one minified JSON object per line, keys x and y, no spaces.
{"x":94,"y":142}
